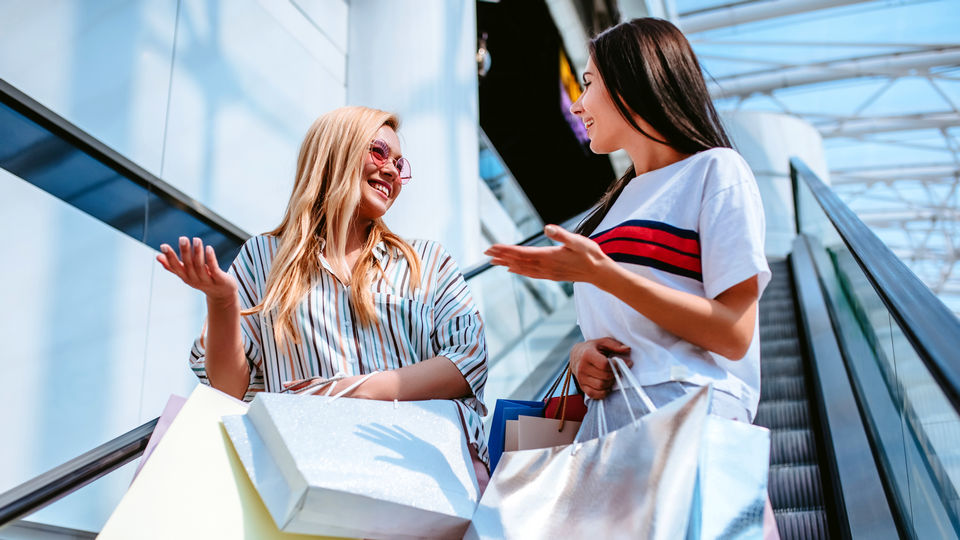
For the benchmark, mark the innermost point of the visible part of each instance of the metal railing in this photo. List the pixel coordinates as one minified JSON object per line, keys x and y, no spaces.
{"x":931,"y":328}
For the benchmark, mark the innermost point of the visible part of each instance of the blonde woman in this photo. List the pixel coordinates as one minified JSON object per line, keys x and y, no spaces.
{"x":332,"y":291}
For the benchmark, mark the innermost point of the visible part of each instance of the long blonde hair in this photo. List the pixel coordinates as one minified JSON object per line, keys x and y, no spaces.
{"x":322,"y":207}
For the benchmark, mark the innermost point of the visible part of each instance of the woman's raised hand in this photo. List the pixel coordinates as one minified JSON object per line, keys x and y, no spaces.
{"x":588,"y":361}
{"x":197,"y":267}
{"x":577,"y":258}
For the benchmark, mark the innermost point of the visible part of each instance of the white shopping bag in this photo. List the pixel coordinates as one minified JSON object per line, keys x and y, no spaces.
{"x":355,"y":467}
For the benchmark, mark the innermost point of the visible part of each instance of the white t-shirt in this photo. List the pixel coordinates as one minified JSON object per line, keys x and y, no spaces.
{"x":697,"y":226}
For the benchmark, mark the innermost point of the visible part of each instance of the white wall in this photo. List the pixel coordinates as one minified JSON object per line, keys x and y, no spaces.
{"x":767,"y":141}
{"x":417,"y":58}
{"x":214,"y":98}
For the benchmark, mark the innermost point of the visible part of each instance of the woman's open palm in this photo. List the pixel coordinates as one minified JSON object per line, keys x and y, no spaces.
{"x":197,"y":267}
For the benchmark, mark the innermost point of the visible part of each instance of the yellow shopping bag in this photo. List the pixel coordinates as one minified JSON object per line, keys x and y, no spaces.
{"x":194,"y":485}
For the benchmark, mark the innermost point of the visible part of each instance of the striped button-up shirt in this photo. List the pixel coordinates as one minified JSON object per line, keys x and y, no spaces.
{"x":439,"y":319}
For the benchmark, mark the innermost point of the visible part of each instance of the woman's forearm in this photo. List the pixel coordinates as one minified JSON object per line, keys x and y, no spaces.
{"x":433,"y":378}
{"x":724,"y":325}
{"x":226,"y":364}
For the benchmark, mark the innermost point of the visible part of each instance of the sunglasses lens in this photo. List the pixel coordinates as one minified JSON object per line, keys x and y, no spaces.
{"x":404,"y":167}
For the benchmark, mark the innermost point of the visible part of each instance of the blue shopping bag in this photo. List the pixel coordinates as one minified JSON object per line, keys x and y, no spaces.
{"x":508,"y":409}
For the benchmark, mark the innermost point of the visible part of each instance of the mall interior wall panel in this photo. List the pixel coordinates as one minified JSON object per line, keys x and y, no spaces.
{"x":73,"y":336}
{"x":330,"y":16}
{"x":176,"y":317}
{"x":103,"y":66}
{"x":767,"y":141}
{"x":244,"y":90}
{"x":418,"y":58}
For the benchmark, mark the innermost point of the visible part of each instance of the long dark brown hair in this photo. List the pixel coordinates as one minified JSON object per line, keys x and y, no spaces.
{"x":650,"y":70}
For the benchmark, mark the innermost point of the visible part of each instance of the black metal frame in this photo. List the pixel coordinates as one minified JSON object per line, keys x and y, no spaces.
{"x":926,"y":322}
{"x":102,"y":182}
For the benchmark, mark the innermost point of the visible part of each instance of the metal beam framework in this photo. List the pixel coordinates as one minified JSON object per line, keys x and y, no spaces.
{"x":746,"y":12}
{"x":897,"y":64}
{"x":866,"y":125}
{"x":914,"y":200}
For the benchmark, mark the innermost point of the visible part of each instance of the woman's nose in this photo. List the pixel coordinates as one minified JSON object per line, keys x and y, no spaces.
{"x":390,"y":170}
{"x":575,"y":107}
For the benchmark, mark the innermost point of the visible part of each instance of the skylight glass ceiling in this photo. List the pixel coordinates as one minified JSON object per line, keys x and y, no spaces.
{"x":881,"y":81}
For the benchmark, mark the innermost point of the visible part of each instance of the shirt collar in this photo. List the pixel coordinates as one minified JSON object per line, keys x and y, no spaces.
{"x":380,"y":254}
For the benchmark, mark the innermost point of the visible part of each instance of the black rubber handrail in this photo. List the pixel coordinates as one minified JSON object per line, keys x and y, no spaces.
{"x":933,"y":331}
{"x":42,"y":490}
{"x":86,"y":143}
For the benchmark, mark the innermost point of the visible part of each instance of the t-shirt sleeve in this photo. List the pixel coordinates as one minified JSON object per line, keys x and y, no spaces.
{"x":245,"y":270}
{"x":732,"y":228}
{"x":458,"y":332}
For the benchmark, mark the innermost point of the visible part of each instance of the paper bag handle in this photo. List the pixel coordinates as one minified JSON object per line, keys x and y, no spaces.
{"x":619,"y":368}
{"x":349,"y":388}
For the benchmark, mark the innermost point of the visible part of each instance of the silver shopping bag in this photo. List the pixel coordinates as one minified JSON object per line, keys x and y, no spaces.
{"x":731,"y":486}
{"x":634,"y":482}
{"x":358,"y":468}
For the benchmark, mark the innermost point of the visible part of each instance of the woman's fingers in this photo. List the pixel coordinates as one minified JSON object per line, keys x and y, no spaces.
{"x":168,"y":258}
{"x":213,"y":267}
{"x":186,"y":255}
{"x":198,"y":258}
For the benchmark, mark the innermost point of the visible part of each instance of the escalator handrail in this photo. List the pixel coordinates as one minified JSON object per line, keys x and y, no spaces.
{"x":932,"y":329}
{"x":60,"y":481}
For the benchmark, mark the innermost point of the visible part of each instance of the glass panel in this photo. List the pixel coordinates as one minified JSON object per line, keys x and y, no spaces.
{"x":914,"y":427}
{"x":530,"y":326}
{"x":504,"y":186}
{"x":72,"y":340}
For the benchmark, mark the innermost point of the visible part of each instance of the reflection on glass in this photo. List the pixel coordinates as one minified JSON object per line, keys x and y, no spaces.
{"x":914,"y":425}
{"x":530,"y":326}
{"x":504,"y":186}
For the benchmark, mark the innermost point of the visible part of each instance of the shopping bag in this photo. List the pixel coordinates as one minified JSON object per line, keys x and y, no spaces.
{"x":534,"y":432}
{"x":194,"y":486}
{"x":565,"y":406}
{"x":635,"y":482}
{"x":559,"y":425}
{"x":723,"y":499}
{"x":731,"y":486}
{"x":355,"y":467}
{"x":504,"y":412}
{"x":170,"y":410}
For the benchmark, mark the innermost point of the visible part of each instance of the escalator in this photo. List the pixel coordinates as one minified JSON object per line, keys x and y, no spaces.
{"x":860,"y":386}
{"x":795,"y":485}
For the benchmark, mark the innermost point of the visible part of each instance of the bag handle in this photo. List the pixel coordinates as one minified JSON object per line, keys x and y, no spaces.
{"x":620,"y":369}
{"x":349,"y":388}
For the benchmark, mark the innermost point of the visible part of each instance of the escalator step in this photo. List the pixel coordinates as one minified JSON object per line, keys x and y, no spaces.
{"x":782,"y":366}
{"x":783,"y":415}
{"x":779,"y":347}
{"x":802,"y":524}
{"x":795,"y":486}
{"x":782,"y":305}
{"x":776,"y":388}
{"x":792,"y":447}
{"x":778,"y":332}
